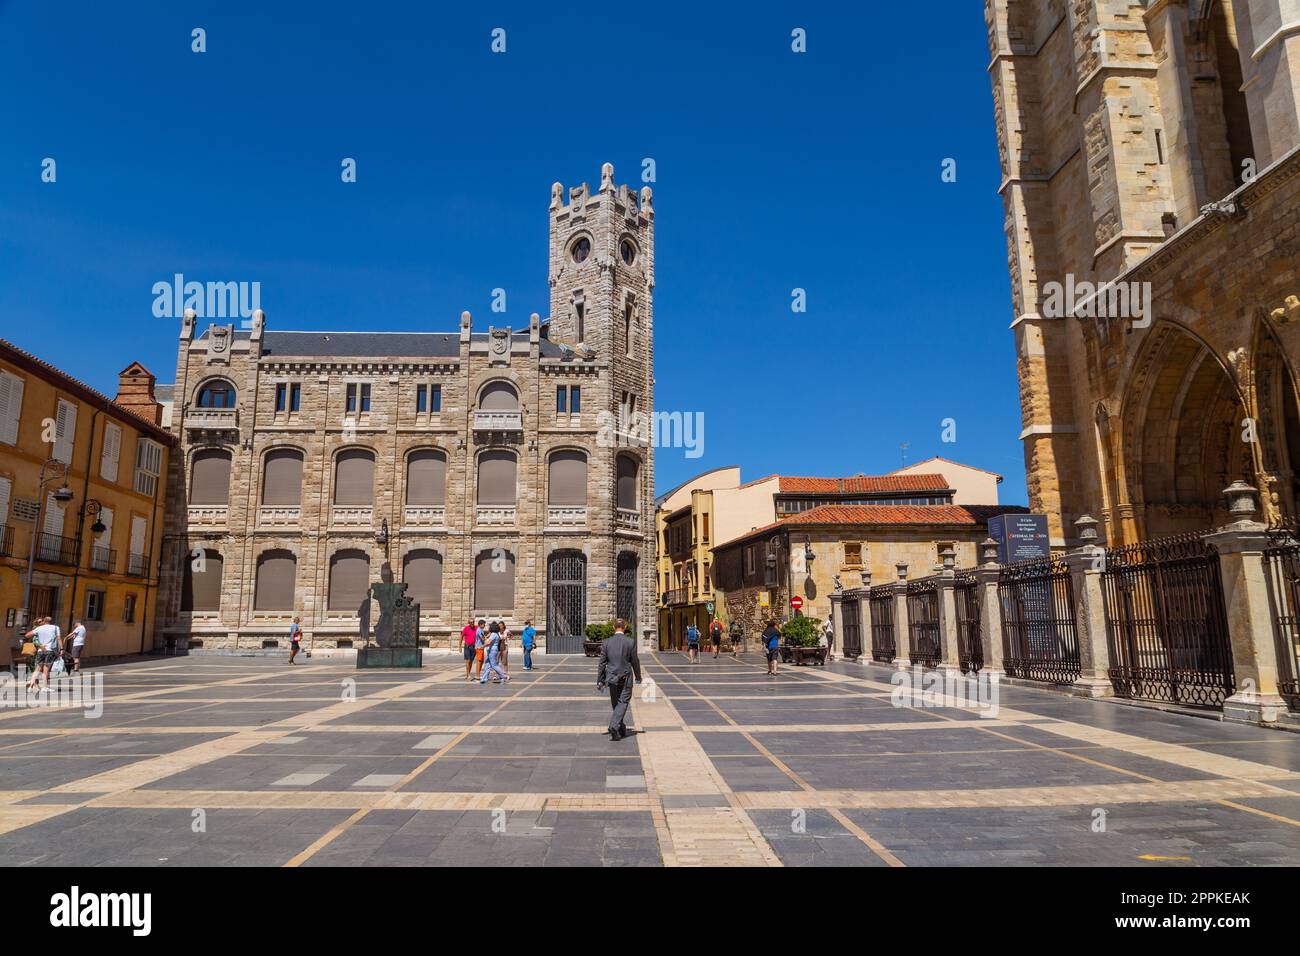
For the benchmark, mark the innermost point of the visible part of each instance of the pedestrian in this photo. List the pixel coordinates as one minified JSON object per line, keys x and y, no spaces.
{"x":618,"y":662}
{"x":503,"y":647}
{"x":295,"y":638}
{"x":490,"y":649}
{"x":78,"y":639}
{"x":693,"y":643}
{"x":828,"y":635}
{"x":48,"y":646}
{"x":480,"y":642}
{"x":737,"y":638}
{"x":469,"y":637}
{"x":715,"y":635}
{"x":529,"y":641}
{"x":772,"y":640}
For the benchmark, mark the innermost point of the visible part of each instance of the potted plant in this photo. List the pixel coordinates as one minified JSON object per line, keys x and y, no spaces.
{"x":802,"y":635}
{"x":595,"y":634}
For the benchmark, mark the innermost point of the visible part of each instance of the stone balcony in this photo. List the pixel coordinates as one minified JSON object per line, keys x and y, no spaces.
{"x":424,"y":516}
{"x":566,"y":516}
{"x":212,"y":420}
{"x":498,"y":420}
{"x":279,"y":516}
{"x":627,"y":519}
{"x":357,"y":517}
{"x":207,"y":516}
{"x":496,"y":516}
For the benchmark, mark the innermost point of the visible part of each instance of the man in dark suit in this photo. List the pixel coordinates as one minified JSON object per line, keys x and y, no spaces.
{"x":618,"y":662}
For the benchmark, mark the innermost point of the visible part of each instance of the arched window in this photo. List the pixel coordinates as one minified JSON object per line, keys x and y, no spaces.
{"x":201,"y":582}
{"x":497,"y":478}
{"x":282,"y":477}
{"x":498,"y":396}
{"x":210,"y":477}
{"x":626,"y":472}
{"x":494,"y":580}
{"x":216,"y":394}
{"x":426,"y":477}
{"x":422,"y":572}
{"x":567,"y":478}
{"x":354,"y":477}
{"x":349,"y":580}
{"x":276,"y":574}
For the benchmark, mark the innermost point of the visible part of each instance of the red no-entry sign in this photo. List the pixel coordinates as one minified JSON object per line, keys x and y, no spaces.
{"x":796,"y":602}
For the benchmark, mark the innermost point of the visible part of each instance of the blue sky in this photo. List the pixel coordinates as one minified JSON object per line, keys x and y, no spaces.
{"x":775,"y":170}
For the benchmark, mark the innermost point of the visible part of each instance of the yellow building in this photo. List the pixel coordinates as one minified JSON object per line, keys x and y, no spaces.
{"x":93,"y":526}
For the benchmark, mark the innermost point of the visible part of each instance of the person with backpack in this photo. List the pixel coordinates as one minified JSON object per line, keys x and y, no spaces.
{"x":772,"y":641}
{"x":529,"y":642}
{"x":693,"y":643}
{"x":715,"y":635}
{"x":295,"y":638}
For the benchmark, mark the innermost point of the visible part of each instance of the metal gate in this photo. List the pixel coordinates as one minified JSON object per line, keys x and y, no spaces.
{"x":970,"y":648}
{"x":1040,"y":639}
{"x":1282,"y":561}
{"x":923,"y":621}
{"x":566,"y":602}
{"x":884,"y":646}
{"x":626,"y":596}
{"x":1165,"y":622}
{"x":851,"y":613}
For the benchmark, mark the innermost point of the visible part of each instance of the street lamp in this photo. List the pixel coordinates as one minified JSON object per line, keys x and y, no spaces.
{"x":62,"y":494}
{"x":381,"y":537}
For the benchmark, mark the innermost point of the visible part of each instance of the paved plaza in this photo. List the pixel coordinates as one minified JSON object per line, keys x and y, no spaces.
{"x":246,"y":761}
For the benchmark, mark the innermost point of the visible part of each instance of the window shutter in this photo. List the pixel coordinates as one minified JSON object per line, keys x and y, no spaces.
{"x":568,"y":478}
{"x":105,"y":540}
{"x":349,"y":580}
{"x":53,"y":516}
{"x":137,"y":535}
{"x":354,"y":477}
{"x":496,"y":478}
{"x":626,"y":470}
{"x":11,"y":406}
{"x":276,"y":571}
{"x":422,"y":572}
{"x":426,"y":478}
{"x":65,"y":431}
{"x":500,"y":397}
{"x":111,"y":453}
{"x":202,"y":589}
{"x":494,"y":581}
{"x":5,"y":488}
{"x":210,"y":478}
{"x":282,"y":477}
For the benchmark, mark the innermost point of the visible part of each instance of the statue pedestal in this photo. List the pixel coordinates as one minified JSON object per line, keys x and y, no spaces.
{"x":397,"y":634}
{"x":390,"y":657}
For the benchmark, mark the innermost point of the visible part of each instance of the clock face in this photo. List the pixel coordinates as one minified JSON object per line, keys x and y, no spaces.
{"x":581,"y":249}
{"x":627,"y":250}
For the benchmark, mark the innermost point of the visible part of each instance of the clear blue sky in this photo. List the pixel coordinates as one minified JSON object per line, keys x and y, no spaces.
{"x":775,"y":170}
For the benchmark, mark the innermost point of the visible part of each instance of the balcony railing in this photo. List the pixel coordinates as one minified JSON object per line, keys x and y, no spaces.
{"x":6,"y":540}
{"x":566,"y":516}
{"x":628,"y":519}
{"x":137,"y":565}
{"x":496,"y":516}
{"x":352,"y":516}
{"x":678,"y":596}
{"x":498,"y":421}
{"x":212,"y":419}
{"x":279,"y":516}
{"x":208,"y":516}
{"x":424,"y":516}
{"x":102,"y":559}
{"x":56,"y":550}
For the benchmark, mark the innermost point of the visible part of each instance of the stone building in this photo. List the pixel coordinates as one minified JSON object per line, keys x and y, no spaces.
{"x":481,"y":466}
{"x":1151,"y":180}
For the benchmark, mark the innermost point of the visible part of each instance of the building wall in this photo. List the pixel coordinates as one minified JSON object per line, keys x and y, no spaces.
{"x":971,"y":486}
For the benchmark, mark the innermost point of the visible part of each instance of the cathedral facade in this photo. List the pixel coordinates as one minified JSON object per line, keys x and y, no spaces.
{"x":485,"y":469}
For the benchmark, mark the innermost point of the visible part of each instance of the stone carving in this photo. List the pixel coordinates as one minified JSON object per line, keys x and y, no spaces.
{"x":1290,"y":311}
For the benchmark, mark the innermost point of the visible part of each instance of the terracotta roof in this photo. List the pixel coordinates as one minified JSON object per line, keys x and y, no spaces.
{"x":973,"y":515}
{"x":862,"y":483}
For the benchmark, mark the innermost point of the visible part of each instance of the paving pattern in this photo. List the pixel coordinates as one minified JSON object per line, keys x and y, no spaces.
{"x":249,"y":762}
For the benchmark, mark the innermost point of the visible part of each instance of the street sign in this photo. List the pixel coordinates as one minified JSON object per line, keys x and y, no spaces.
{"x":709,"y":607}
{"x":796,"y":602}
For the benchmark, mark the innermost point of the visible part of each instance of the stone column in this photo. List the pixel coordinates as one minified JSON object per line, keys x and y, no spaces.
{"x":949,"y":651}
{"x":1086,"y":564}
{"x":1246,"y":602}
{"x":902,"y":633}
{"x":986,"y":578}
{"x":864,"y":617}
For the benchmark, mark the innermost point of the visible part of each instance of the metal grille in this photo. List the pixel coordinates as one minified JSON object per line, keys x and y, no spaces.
{"x":923,"y":621}
{"x":626,"y":603}
{"x":851,"y":613}
{"x":1165,"y":623}
{"x":970,"y":649}
{"x":1282,"y":561}
{"x":1040,"y":639}
{"x":566,"y":605}
{"x":884,"y":645}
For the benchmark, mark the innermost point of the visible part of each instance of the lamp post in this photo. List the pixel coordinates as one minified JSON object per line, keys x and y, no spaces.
{"x":63,"y":494}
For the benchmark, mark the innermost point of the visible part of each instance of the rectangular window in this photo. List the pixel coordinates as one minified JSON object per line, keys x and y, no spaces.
{"x":435,"y":398}
{"x":351,"y":404}
{"x":561,"y":400}
{"x":421,"y":399}
{"x":128,"y":609}
{"x":581,"y":323}
{"x":295,"y":397}
{"x":365,"y":398}
{"x":706,"y":529}
{"x":853,"y":554}
{"x":94,"y":605}
{"x":281,"y":397}
{"x":575,"y":399}
{"x":148,"y":465}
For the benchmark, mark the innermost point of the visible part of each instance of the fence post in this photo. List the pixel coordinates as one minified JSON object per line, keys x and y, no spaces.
{"x":986,"y":577}
{"x":949,"y":651}
{"x":1086,"y":564}
{"x":902,"y":633}
{"x":1246,"y":602}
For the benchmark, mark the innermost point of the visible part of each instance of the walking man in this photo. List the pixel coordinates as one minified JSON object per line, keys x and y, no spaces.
{"x":469,"y":637}
{"x":715,"y":635}
{"x":480,"y":642}
{"x":772,"y":640}
{"x":490,"y":651}
{"x":295,"y":638}
{"x":693,"y":643}
{"x":618,"y":663}
{"x":529,"y":642}
{"x":48,"y":645}
{"x":78,"y":639}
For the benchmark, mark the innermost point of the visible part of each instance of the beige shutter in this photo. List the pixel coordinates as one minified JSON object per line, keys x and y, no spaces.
{"x":105,"y":540}
{"x":11,"y":406}
{"x":494,"y":581}
{"x":354,"y":477}
{"x":111,"y":452}
{"x":426,"y":477}
{"x":422,"y":572}
{"x":276,"y":574}
{"x":282,"y":477}
{"x":500,"y":397}
{"x":53,"y":516}
{"x":496,"y":478}
{"x":349,"y":580}
{"x":65,"y":431}
{"x":568,"y":478}
{"x":210,"y":477}
{"x":626,"y":471}
{"x":137,"y":535}
{"x":6,"y":487}
{"x":202,"y":589}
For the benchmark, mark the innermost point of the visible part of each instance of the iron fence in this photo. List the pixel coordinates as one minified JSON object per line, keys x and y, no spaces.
{"x":923,"y":621}
{"x":966,"y":596}
{"x":55,"y":549}
{"x":1165,"y":622}
{"x":1282,"y":563}
{"x":851,"y":614}
{"x":1040,"y":637}
{"x":884,"y":645}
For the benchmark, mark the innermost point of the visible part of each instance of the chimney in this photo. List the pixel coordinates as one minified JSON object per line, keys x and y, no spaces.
{"x":135,"y":393}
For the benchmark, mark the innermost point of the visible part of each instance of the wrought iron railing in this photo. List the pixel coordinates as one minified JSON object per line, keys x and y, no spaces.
{"x":102,"y":559}
{"x":1166,"y":627}
{"x":137,"y":565}
{"x":923,"y":621}
{"x":851,"y":615}
{"x":884,"y":643}
{"x":6,"y":540}
{"x":1040,"y":637}
{"x":54,"y":549}
{"x":970,"y":648}
{"x":1282,"y":563}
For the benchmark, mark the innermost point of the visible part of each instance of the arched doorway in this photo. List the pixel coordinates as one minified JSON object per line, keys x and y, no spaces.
{"x":566,"y":602}
{"x":1278,"y":427}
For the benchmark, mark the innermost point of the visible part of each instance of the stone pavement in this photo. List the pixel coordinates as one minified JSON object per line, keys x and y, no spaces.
{"x":233,"y":761}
